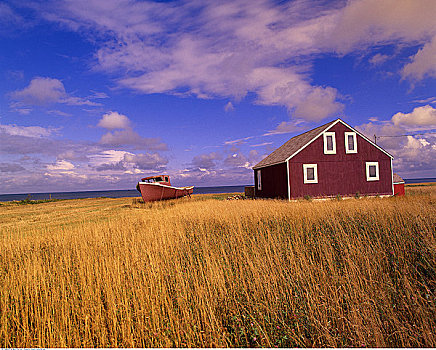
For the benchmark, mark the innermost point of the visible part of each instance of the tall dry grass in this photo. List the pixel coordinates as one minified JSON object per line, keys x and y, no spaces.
{"x":204,"y":272}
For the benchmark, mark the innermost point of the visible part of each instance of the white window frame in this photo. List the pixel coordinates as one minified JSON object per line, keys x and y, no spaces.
{"x":347,"y":150}
{"x":259,"y":180}
{"x":377,"y":174}
{"x":333,"y":135}
{"x":315,"y":173}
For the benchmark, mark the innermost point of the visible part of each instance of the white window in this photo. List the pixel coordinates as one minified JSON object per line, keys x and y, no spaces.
{"x":329,"y":143}
{"x":259,"y":180}
{"x":350,"y":142}
{"x":372,"y":171}
{"x":310,"y":172}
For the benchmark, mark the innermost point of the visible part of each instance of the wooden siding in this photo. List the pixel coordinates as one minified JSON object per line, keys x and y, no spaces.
{"x":274,"y":182}
{"x":341,"y":173}
{"x":399,"y":189}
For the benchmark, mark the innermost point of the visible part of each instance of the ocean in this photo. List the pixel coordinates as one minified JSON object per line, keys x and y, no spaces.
{"x":109,"y":194}
{"x":135,"y":193}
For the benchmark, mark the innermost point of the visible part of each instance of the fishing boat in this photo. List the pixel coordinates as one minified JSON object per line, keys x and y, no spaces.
{"x":156,"y":188}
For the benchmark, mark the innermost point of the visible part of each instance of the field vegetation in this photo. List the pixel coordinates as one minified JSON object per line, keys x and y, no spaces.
{"x":206,"y":272}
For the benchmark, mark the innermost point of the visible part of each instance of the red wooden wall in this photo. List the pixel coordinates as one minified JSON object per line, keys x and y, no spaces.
{"x":274,"y":182}
{"x":341,"y":173}
{"x":399,"y":190}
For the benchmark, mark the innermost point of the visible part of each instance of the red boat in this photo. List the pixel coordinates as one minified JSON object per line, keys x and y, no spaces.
{"x":156,"y":188}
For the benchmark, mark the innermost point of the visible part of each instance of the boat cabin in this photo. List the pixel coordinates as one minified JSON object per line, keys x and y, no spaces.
{"x":164,"y":179}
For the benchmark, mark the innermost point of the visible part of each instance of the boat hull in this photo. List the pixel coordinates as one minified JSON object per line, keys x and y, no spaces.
{"x":155,"y":192}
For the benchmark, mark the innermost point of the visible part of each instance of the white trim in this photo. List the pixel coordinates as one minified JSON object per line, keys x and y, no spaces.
{"x":327,"y":129}
{"x":259,"y":180}
{"x":265,"y":166}
{"x":377,"y":173}
{"x":289,"y":184}
{"x":347,"y":134}
{"x":300,"y":149}
{"x":367,"y":139}
{"x":392,"y":177}
{"x":315,"y":173}
{"x":307,"y":144}
{"x":333,"y":135}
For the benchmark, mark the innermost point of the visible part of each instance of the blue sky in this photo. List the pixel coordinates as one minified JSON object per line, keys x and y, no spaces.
{"x":96,"y":94}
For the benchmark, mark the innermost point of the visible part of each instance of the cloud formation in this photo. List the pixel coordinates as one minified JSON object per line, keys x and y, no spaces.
{"x":422,"y":64}
{"x":10,"y":168}
{"x":122,"y":134}
{"x":41,"y":91}
{"x":27,"y":131}
{"x":128,"y":162}
{"x":231,"y":48}
{"x":45,"y":91}
{"x":114,"y":120}
{"x":206,"y":161}
{"x":420,"y":118}
{"x":410,"y":138}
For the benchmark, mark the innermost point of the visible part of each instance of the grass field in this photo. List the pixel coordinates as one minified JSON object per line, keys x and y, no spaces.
{"x":205,"y":272}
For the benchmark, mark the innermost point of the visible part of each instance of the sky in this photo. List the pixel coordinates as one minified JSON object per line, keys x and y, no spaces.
{"x":96,"y":94}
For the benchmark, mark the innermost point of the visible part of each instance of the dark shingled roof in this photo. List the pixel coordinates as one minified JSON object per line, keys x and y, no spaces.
{"x":397,"y":179}
{"x":293,"y":145}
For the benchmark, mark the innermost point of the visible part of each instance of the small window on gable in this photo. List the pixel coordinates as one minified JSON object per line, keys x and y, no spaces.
{"x":372,"y":171}
{"x":310,"y":172}
{"x":350,"y":142}
{"x":329,"y":143}
{"x":259,"y":180}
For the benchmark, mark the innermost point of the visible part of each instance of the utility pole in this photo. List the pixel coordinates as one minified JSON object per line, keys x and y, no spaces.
{"x":375,"y":138}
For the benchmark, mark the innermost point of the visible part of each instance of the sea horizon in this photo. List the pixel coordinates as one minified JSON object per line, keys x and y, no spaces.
{"x":135,"y":193}
{"x":109,"y":193}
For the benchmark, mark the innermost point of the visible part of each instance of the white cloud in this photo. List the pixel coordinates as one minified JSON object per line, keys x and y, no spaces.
{"x":45,"y":91}
{"x":365,"y":23}
{"x":229,"y":107}
{"x":206,"y":161}
{"x":113,"y":160}
{"x":28,"y":131}
{"x":276,"y":86}
{"x":228,"y":49}
{"x":426,"y":100}
{"x":423,"y":117}
{"x":61,"y":165}
{"x":414,"y":155}
{"x":114,"y":120}
{"x":122,"y":134}
{"x":423,"y":63}
{"x":262,"y":144}
{"x":287,"y":127}
{"x":10,"y":20}
{"x":41,"y":91}
{"x":231,"y":48}
{"x":239,"y":141}
{"x":129,"y":137}
{"x":78,"y":101}
{"x":10,"y":168}
{"x":378,"y":59}
{"x":60,"y":113}
{"x":146,"y":161}
{"x":109,"y":156}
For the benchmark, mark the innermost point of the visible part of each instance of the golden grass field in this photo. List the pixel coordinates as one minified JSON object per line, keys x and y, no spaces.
{"x":204,"y":272}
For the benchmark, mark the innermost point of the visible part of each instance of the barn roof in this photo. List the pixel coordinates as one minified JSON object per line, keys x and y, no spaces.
{"x":397,"y":179}
{"x":282,"y":153}
{"x":297,"y":143}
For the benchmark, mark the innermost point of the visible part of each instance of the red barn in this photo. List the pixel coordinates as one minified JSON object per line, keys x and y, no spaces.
{"x":333,"y":159}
